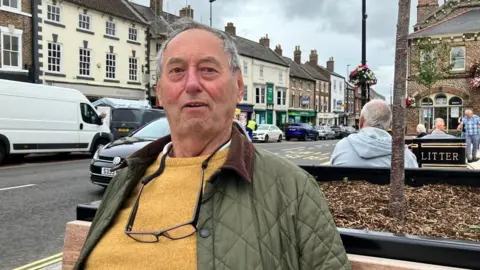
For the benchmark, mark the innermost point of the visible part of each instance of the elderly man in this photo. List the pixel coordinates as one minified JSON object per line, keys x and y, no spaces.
{"x":471,"y":123}
{"x":205,"y":197}
{"x":372,"y":146}
{"x":439,"y":131}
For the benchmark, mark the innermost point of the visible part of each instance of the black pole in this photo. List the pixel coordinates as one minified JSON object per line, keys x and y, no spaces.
{"x":364,"y":48}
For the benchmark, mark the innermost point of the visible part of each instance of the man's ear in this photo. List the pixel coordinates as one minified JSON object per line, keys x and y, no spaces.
{"x":240,"y":84}
{"x":158,"y":90}
{"x":361,"y":122}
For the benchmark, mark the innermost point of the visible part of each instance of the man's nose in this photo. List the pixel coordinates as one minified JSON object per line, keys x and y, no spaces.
{"x":192,"y":84}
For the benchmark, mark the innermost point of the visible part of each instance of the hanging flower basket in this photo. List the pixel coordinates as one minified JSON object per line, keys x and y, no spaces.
{"x":410,"y":102}
{"x":475,"y":73}
{"x":362,"y":74}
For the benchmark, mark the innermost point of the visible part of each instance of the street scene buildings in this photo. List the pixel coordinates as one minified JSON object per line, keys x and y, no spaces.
{"x":457,"y":24}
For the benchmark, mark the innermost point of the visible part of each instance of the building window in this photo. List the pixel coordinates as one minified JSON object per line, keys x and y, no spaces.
{"x":111,"y":65}
{"x":299,"y":101}
{"x":110,"y":28}
{"x":280,"y":76}
{"x":322,"y":99}
{"x":84,"y":21}
{"x":132,"y":34}
{"x":261,"y":71}
{"x":301,"y":84}
{"x":85,"y":62}
{"x":260,"y":95}
{"x":334,"y":86}
{"x":293,"y":101}
{"x":11,"y":49}
{"x":245,"y":68}
{"x":245,"y":93}
{"x":54,"y":57}
{"x":133,"y":69}
{"x":281,"y":96}
{"x":450,"y":109}
{"x":11,"y":3}
{"x":457,"y":56}
{"x":159,"y":46}
{"x":316,"y":104}
{"x":53,"y":13}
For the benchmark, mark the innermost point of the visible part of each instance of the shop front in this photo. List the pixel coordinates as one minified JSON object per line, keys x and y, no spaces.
{"x":295,"y":116}
{"x":281,"y":118}
{"x":245,"y":112}
{"x":325,"y":118}
{"x":440,"y":105}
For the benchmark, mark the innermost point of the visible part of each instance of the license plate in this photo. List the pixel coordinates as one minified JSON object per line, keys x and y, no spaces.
{"x":123,"y":129}
{"x":291,"y":129}
{"x":107,"y":171}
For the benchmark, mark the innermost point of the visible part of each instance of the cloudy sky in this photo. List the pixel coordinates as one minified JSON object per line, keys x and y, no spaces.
{"x":332,"y":27}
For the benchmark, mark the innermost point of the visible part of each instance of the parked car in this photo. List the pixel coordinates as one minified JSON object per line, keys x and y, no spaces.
{"x":301,"y":131}
{"x":267,"y":133}
{"x":38,"y":118}
{"x":340,"y":132}
{"x":325,"y":133}
{"x":125,"y":120}
{"x":115,"y":152}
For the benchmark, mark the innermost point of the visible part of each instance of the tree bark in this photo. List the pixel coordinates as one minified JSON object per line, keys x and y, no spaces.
{"x":397,"y":204}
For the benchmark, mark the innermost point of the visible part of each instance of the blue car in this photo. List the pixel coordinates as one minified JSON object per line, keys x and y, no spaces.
{"x":301,"y":131}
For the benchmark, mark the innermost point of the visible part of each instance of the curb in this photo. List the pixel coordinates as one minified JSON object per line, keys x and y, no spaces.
{"x":43,"y":263}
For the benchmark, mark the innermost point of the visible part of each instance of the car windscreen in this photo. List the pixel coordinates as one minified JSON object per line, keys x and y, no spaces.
{"x":127,"y":115}
{"x":262,"y":127}
{"x":156,"y":129}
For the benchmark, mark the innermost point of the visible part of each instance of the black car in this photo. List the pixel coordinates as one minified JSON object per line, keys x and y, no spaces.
{"x":115,"y":152}
{"x":125,"y":120}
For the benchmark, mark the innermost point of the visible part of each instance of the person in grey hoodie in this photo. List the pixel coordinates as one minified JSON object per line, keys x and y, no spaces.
{"x":372,"y":146}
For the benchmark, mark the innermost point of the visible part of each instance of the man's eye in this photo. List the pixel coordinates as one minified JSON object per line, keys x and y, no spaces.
{"x":208,"y":70}
{"x":176,"y":70}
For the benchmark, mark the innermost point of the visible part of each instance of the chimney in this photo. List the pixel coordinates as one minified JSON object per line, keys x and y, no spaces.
{"x":278,"y":50}
{"x":330,"y":64}
{"x":424,"y":7}
{"x":157,"y":7}
{"x":313,"y":58}
{"x":230,"y":29}
{"x":186,"y":12}
{"x":265,"y":41}
{"x":297,"y":55}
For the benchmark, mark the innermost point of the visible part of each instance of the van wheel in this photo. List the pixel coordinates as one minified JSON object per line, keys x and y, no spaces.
{"x":98,"y":143}
{"x":3,"y":153}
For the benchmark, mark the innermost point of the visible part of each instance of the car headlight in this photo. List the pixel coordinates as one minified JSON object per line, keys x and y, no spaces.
{"x":96,"y":155}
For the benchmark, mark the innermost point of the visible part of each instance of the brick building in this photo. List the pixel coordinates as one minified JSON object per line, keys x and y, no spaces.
{"x":301,"y":108}
{"x":458,"y":24}
{"x":349,"y":104}
{"x":18,"y":54}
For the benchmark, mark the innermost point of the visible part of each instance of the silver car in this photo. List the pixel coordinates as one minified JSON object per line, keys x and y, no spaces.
{"x":325,"y":132}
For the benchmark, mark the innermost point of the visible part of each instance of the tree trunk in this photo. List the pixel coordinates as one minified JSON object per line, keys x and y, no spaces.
{"x":397,"y":201}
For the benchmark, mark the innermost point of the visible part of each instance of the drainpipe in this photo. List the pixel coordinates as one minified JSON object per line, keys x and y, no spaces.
{"x":35,"y":58}
{"x":149,"y":37}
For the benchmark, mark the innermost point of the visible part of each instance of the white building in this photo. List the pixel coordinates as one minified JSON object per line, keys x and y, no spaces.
{"x":266,"y":78}
{"x":96,"y":47}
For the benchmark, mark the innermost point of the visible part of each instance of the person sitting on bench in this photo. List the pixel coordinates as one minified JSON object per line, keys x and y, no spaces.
{"x":439,"y":131}
{"x":372,"y":146}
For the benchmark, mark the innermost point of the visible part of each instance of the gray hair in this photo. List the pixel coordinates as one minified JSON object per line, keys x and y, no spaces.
{"x":468,"y":111}
{"x":421,"y":128}
{"x":185,"y":24}
{"x":437,"y":120}
{"x":377,"y":114}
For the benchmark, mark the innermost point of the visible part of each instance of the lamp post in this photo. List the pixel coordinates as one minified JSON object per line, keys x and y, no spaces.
{"x":364,"y":49}
{"x":211,"y":1}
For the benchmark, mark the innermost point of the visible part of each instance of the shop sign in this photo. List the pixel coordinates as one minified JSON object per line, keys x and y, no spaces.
{"x":269,"y":94}
{"x":301,"y":113}
{"x":305,"y":100}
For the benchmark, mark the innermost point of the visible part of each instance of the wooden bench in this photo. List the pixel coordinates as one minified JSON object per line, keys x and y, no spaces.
{"x":76,"y":233}
{"x":439,"y":153}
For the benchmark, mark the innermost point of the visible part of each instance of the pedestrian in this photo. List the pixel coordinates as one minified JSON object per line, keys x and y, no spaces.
{"x":251,"y":126}
{"x":205,"y":197}
{"x":471,"y":123}
{"x":438,"y":131}
{"x":421,"y":131}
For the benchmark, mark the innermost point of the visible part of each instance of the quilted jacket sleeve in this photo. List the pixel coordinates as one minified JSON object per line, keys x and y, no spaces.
{"x":319,"y":242}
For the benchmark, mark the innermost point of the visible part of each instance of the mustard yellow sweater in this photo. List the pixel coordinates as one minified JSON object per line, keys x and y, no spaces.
{"x":166,"y":201}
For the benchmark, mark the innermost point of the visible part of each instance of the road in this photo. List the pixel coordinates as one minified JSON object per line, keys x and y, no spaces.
{"x":39,"y":196}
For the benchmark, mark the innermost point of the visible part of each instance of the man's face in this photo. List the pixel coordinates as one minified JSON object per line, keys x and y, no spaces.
{"x":469,"y":114}
{"x":441,"y":125}
{"x":197,"y":88}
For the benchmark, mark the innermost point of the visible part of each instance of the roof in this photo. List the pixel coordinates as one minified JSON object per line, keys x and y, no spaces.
{"x":465,"y":22}
{"x":160,"y":26}
{"x":256,"y":50}
{"x":297,"y":70}
{"x":312,"y":71}
{"x":116,"y":8}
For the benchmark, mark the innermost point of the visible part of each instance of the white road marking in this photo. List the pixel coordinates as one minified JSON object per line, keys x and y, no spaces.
{"x":9,"y":188}
{"x":288,"y":149}
{"x":27,"y":165}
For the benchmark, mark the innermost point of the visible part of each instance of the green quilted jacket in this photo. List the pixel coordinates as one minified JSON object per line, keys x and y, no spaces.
{"x":258,"y":211}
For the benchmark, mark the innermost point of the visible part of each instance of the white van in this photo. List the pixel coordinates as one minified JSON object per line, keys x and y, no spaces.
{"x":37,"y":118}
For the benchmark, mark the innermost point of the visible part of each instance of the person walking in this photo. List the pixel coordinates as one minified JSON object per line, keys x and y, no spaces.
{"x":251,"y":126}
{"x":471,"y":123}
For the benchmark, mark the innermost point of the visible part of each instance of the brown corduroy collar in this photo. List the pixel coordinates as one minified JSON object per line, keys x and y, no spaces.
{"x":239,"y":159}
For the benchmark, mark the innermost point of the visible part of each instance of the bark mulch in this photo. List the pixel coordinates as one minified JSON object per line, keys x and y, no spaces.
{"x":433,"y":210}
